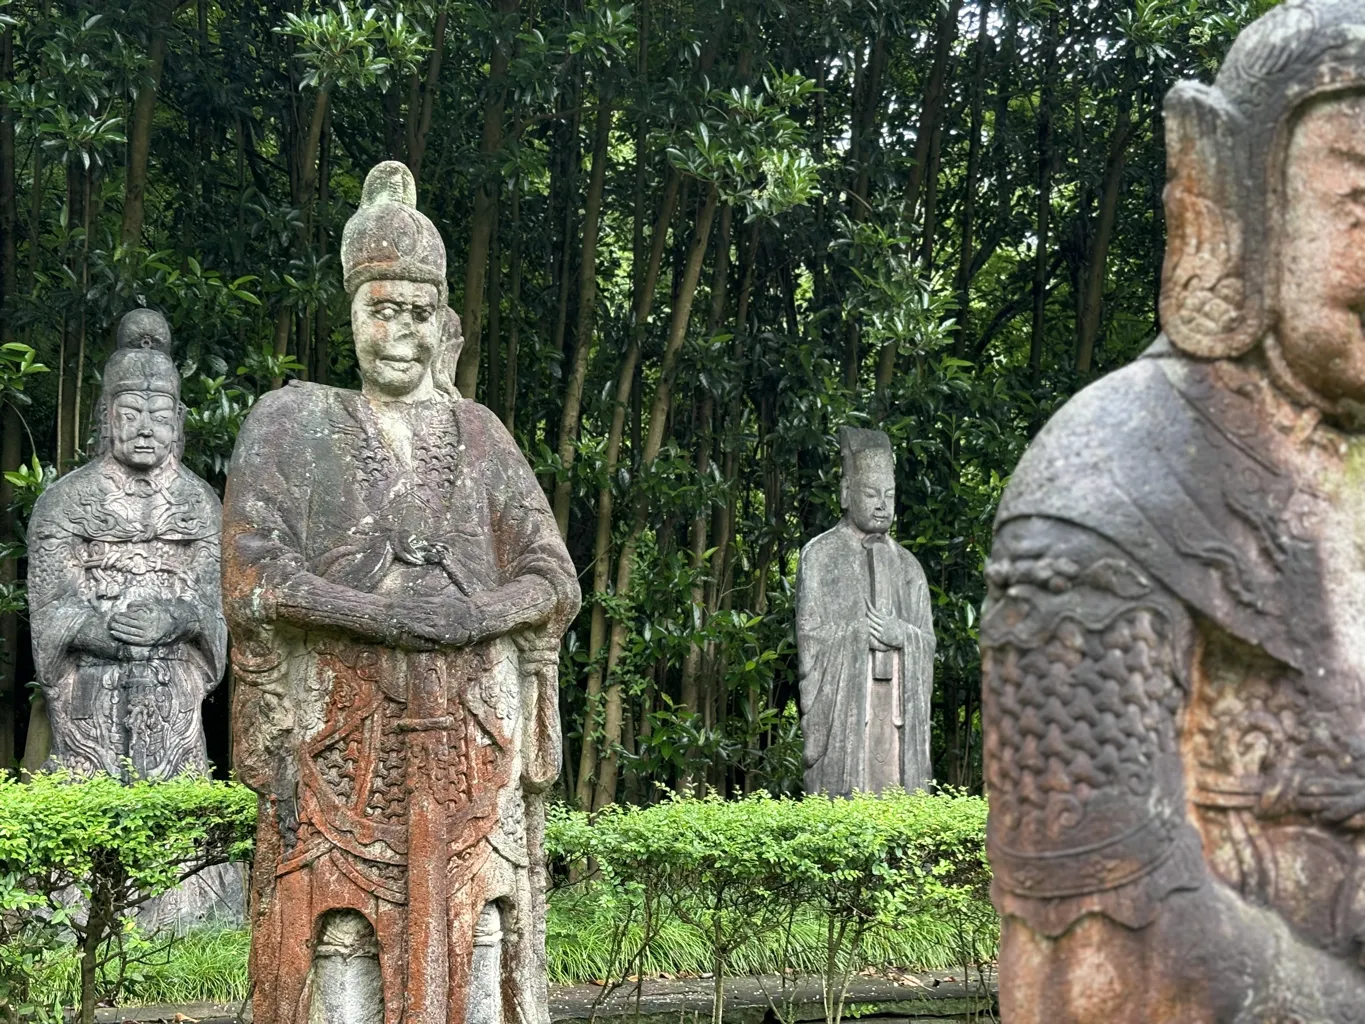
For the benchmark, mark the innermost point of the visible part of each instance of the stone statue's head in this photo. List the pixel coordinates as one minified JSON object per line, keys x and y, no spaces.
{"x":867,"y":491}
{"x":1265,"y":202}
{"x":142,"y":418}
{"x":395,"y":270}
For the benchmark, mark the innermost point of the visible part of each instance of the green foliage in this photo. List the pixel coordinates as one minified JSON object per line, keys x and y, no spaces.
{"x":29,"y":481}
{"x":207,"y":965}
{"x":338,"y":46}
{"x":18,"y":362}
{"x":686,"y":887}
{"x":789,"y":886}
{"x":78,"y":856}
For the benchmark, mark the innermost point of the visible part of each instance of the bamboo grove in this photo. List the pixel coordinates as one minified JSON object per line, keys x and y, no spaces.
{"x":689,"y":239}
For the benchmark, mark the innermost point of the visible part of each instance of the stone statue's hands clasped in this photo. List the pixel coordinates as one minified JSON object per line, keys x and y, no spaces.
{"x":885,"y":629}
{"x":144,"y":624}
{"x":449,"y":619}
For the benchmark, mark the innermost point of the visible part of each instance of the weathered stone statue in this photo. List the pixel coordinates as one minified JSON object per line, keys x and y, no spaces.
{"x":864,"y":637}
{"x":1173,"y":645}
{"x":397,"y":590}
{"x":123,"y":582}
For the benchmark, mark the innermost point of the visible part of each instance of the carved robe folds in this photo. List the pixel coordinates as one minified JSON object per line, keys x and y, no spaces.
{"x":104,"y":539}
{"x":400,"y":783}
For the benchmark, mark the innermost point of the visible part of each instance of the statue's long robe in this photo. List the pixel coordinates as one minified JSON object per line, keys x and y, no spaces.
{"x":834,"y":582}
{"x":338,"y":734}
{"x":101,"y":539}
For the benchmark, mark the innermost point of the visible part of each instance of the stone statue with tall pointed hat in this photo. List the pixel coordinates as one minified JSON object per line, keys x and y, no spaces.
{"x":864,"y":638}
{"x":128,"y":628}
{"x":397,"y":590}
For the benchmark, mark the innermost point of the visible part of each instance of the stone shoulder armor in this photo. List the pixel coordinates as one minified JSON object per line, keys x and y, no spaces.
{"x":1085,"y":660}
{"x":1169,"y":458}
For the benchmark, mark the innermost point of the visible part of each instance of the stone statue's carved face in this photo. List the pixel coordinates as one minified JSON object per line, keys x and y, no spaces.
{"x":143,"y":431}
{"x":397,"y":335}
{"x":869,"y":493}
{"x":1322,"y":260}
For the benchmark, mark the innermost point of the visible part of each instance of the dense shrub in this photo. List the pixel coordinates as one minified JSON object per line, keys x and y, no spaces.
{"x":749,"y":878}
{"x":748,"y":887}
{"x":79,"y":856}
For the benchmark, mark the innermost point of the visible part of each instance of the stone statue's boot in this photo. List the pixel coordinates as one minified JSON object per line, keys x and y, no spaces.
{"x":347,"y":986}
{"x":485,"y":977}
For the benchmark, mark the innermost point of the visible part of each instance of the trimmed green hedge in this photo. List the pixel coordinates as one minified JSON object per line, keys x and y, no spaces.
{"x":811,"y":886}
{"x":79,"y":856}
{"x":755,"y":886}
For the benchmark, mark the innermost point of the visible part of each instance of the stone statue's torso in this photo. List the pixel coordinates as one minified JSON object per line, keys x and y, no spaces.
{"x":105,"y":539}
{"x":400,"y":776}
{"x":1248,"y":508}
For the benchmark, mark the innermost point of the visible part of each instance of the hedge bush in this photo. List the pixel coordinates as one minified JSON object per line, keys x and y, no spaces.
{"x":79,"y":855}
{"x":749,"y":878}
{"x":784,"y":887}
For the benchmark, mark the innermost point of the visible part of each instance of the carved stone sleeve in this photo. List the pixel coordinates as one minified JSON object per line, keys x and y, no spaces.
{"x":542,"y":588}
{"x":208,"y":629}
{"x":1085,"y":664}
{"x":832,"y":650}
{"x":537,"y":603}
{"x":62,"y":615}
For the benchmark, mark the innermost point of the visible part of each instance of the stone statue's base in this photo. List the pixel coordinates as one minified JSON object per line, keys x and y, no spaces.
{"x":214,"y":897}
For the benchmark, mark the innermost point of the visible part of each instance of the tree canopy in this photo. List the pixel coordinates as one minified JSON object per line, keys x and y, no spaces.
{"x":689,"y":239}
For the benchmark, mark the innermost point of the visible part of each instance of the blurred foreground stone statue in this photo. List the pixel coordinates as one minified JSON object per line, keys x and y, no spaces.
{"x":1173,"y":642}
{"x":397,"y":591}
{"x":864,"y":637}
{"x":128,"y":628}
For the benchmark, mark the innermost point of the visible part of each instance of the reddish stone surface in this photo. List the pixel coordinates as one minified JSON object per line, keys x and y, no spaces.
{"x":397,"y":590}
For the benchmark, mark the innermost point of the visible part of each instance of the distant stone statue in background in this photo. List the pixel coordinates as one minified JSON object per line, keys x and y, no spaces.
{"x":123,"y":579}
{"x":397,"y":590}
{"x":865,"y":638}
{"x":1173,"y":647}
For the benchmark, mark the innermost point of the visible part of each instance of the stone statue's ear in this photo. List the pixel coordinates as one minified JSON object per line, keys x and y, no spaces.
{"x":104,"y":430}
{"x":182,"y":413}
{"x":448,"y":358}
{"x":843,"y":492}
{"x":1210,"y":292}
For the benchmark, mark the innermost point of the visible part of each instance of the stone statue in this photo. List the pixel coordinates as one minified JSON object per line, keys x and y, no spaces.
{"x":123,"y":581}
{"x":1173,"y":651}
{"x":865,"y":638}
{"x":397,"y":591}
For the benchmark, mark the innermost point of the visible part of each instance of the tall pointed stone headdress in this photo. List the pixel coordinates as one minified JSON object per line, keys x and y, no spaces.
{"x":856,"y":444}
{"x":1225,"y":152}
{"x":388,"y":238}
